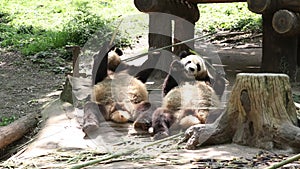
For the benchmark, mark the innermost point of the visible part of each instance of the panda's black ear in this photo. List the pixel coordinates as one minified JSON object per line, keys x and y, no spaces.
{"x":183,"y":54}
{"x":119,"y":51}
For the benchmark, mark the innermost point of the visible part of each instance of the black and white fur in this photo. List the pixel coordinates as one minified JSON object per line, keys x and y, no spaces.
{"x":119,"y":96}
{"x":188,"y":96}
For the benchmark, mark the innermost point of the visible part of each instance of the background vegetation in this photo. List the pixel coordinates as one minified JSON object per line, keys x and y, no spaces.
{"x":34,"y":26}
{"x":41,"y":29}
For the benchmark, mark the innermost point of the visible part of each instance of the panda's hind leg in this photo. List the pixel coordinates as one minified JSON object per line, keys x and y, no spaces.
{"x":143,"y":116}
{"x":162,"y":120}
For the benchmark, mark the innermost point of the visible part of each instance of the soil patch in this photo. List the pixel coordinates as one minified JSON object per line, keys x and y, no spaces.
{"x":25,"y":86}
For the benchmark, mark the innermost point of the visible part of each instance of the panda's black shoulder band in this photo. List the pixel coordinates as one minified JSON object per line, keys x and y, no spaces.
{"x":183,"y":54}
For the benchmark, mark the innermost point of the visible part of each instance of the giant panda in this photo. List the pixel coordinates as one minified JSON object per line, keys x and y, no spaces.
{"x":114,"y":59}
{"x":118,"y":96}
{"x":188,"y":96}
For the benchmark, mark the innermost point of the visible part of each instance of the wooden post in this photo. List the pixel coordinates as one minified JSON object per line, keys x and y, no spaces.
{"x":75,"y":53}
{"x":161,"y":14}
{"x":160,"y":35}
{"x":279,"y":52}
{"x":260,"y":113}
{"x":183,"y":30}
{"x":298,"y":56}
{"x":286,"y":22}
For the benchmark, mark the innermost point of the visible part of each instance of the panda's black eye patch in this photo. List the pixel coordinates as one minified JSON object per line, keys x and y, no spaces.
{"x":198,"y":67}
{"x":188,"y":62}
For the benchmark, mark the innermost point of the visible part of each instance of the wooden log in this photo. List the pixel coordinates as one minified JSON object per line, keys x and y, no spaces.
{"x":293,"y":5}
{"x":259,"y":6}
{"x":286,"y":22}
{"x":180,"y":8}
{"x":279,"y":52}
{"x":262,"y":6}
{"x":260,"y":113}
{"x":17,"y":129}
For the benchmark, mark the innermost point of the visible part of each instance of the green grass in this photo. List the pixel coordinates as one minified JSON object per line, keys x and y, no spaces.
{"x":228,"y":16}
{"x":4,"y":121}
{"x":33,"y":26}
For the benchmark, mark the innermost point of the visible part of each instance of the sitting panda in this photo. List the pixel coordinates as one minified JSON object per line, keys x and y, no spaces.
{"x":188,"y":96}
{"x":118,"y":96}
{"x":114,"y":59}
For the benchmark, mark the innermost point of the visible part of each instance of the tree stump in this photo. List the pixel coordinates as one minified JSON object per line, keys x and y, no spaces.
{"x":260,"y":113}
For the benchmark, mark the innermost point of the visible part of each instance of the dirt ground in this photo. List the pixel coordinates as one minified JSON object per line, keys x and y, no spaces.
{"x":25,"y":87}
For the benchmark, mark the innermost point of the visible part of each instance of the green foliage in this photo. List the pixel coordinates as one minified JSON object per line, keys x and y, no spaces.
{"x":228,"y":16}
{"x":248,"y":24}
{"x":35,"y":26}
{"x":84,"y":25}
{"x":4,"y":121}
{"x":47,"y":60}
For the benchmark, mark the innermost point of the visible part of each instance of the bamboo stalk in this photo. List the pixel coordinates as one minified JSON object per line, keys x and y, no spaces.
{"x":169,"y":46}
{"x":119,"y":154}
{"x":115,"y":33}
{"x":284,"y":162}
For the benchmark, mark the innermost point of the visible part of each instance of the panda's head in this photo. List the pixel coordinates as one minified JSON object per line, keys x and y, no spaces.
{"x":194,"y":65}
{"x":114,"y":59}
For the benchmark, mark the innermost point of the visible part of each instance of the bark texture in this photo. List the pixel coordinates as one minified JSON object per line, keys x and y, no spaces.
{"x":17,"y":129}
{"x":260,"y":113}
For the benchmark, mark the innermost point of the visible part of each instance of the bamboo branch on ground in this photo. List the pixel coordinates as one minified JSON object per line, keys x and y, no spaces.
{"x":284,"y":162}
{"x":119,"y":154}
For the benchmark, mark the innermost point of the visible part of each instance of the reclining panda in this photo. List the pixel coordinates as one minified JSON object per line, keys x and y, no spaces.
{"x":119,"y":93}
{"x":188,"y":96}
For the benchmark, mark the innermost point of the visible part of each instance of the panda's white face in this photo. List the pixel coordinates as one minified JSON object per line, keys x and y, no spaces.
{"x":194,"y":65}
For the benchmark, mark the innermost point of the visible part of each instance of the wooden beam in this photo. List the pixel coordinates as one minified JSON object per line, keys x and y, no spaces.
{"x":183,"y":9}
{"x":286,"y":22}
{"x":293,"y":5}
{"x":261,"y":6}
